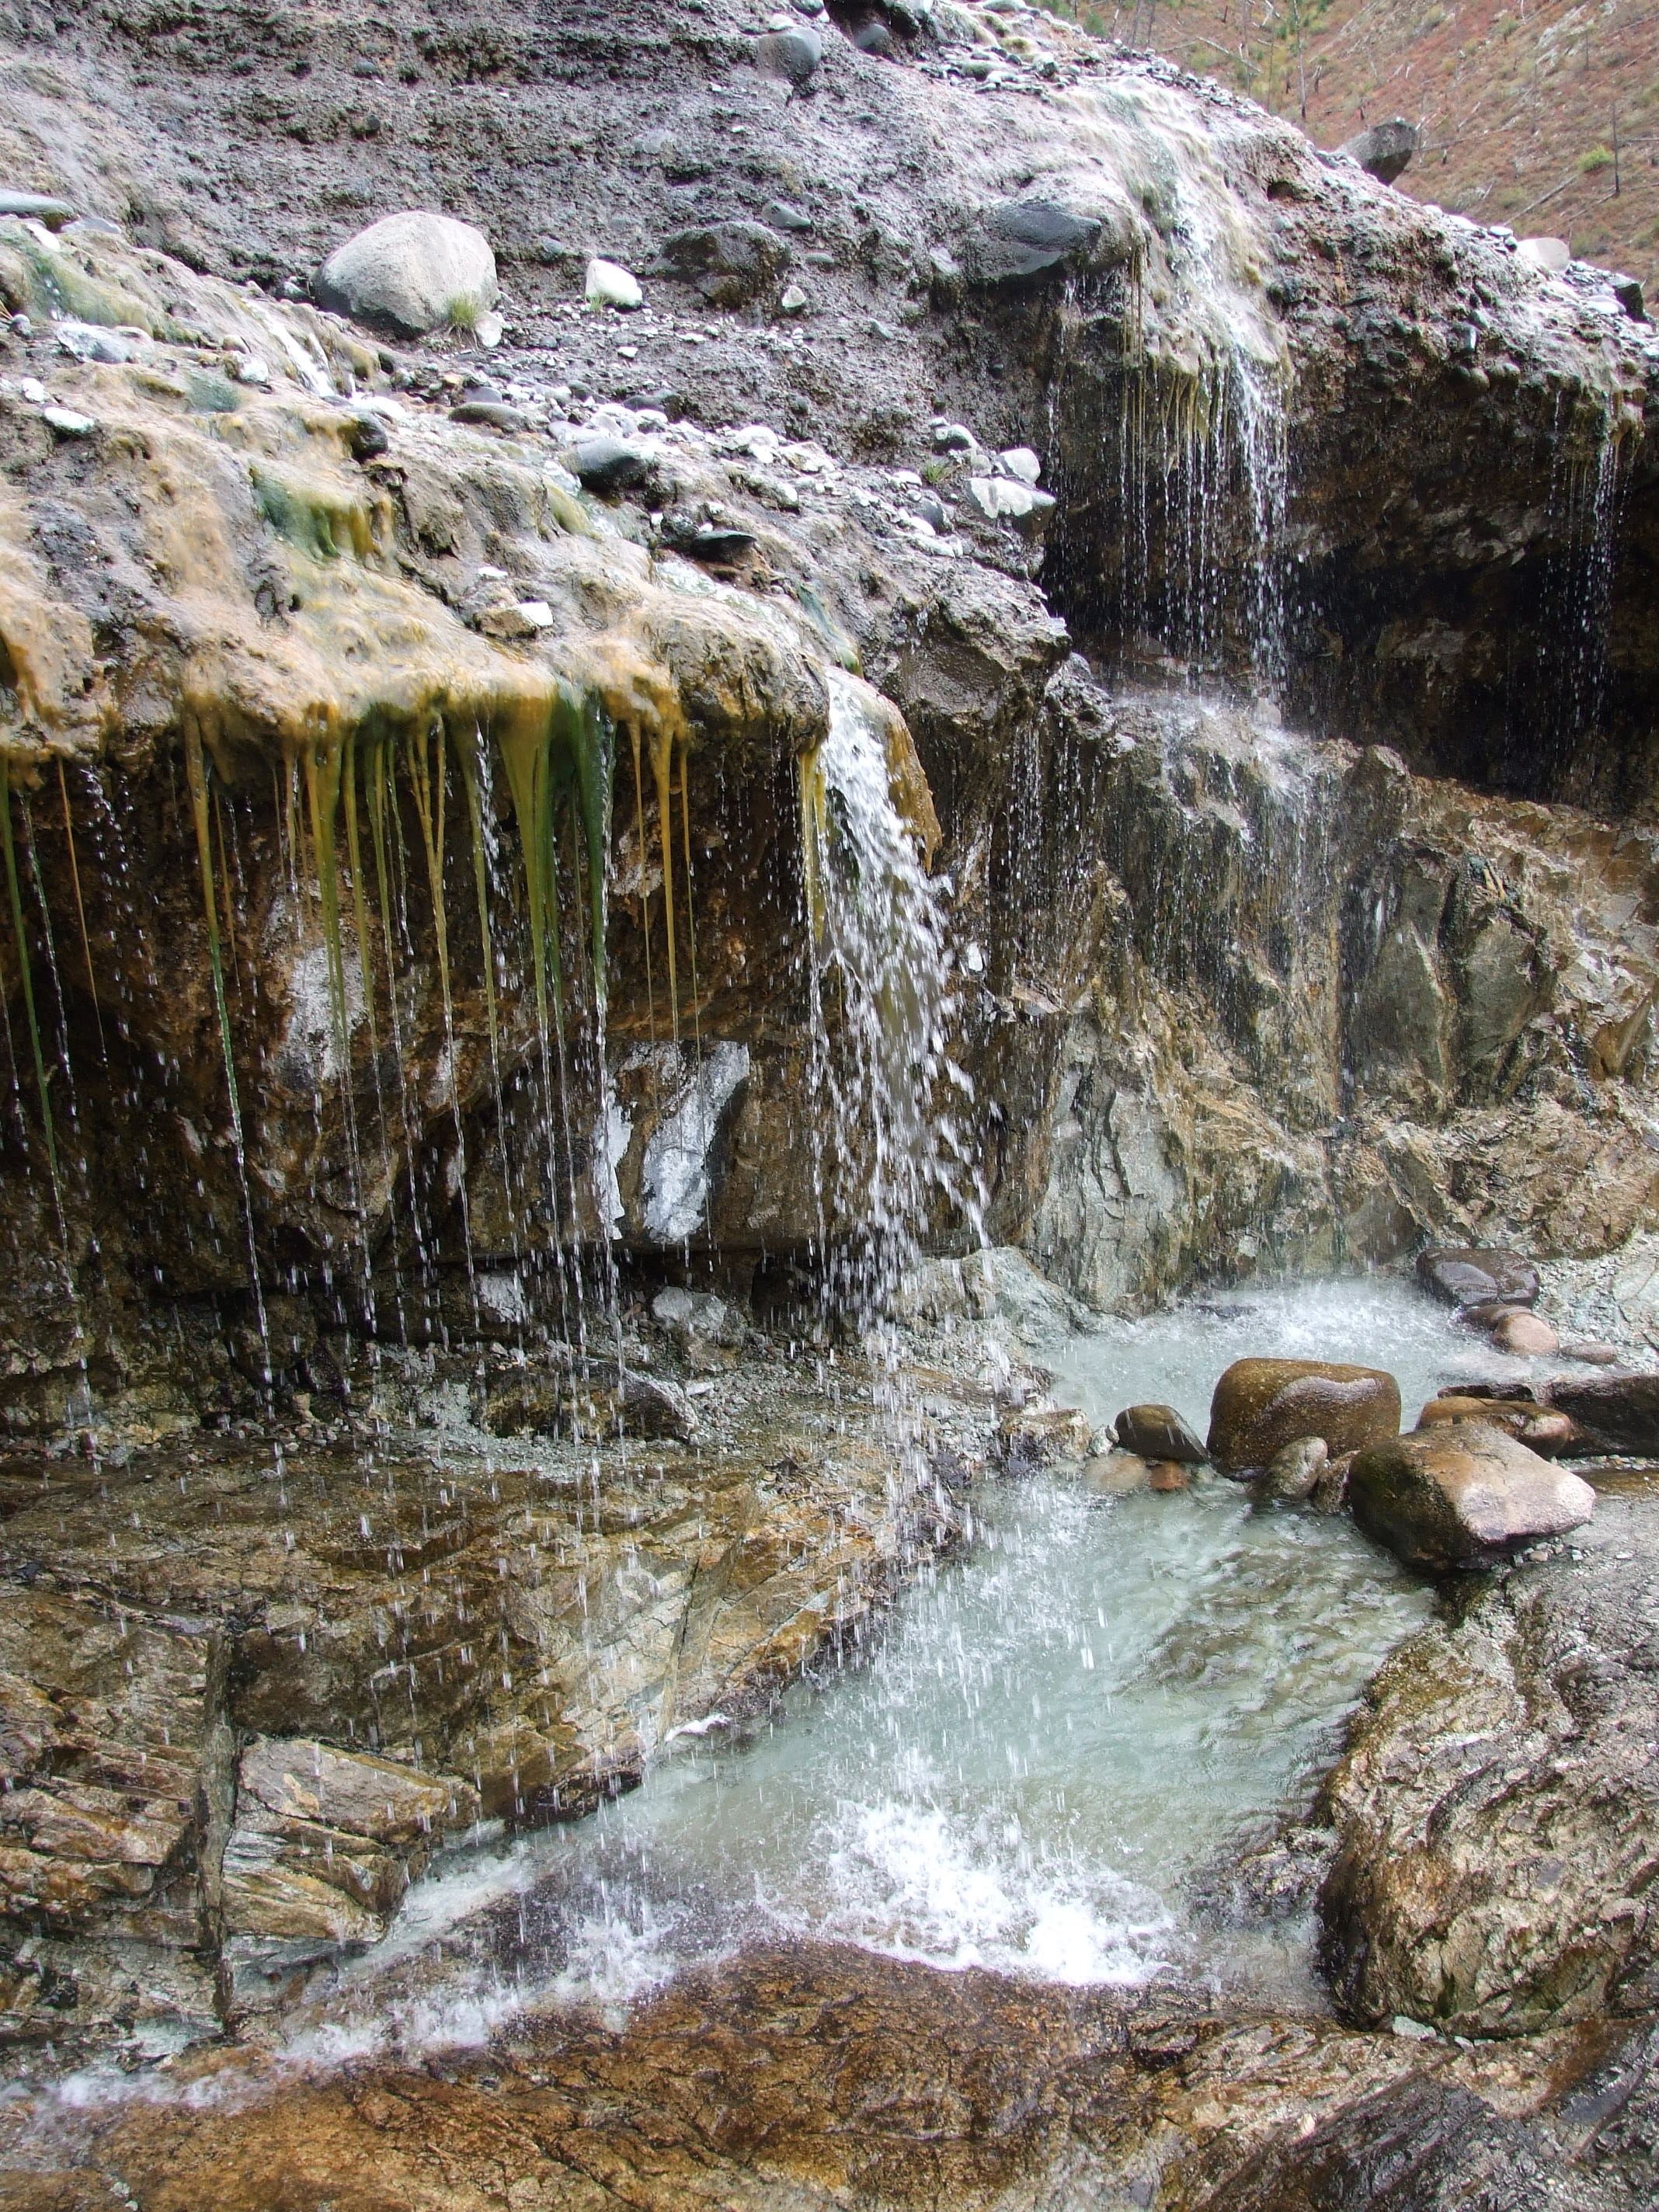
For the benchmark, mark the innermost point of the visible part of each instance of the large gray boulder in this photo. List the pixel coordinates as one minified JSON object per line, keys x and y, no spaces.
{"x":1384,"y":151}
{"x":1463,"y":1495}
{"x":410,"y":273}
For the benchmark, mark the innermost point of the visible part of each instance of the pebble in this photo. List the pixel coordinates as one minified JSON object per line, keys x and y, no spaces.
{"x":248,"y":368}
{"x":608,"y":284}
{"x":67,"y":423}
{"x":953,"y":438}
{"x":794,"y":301}
{"x":1022,"y":464}
{"x":1168,"y":1474}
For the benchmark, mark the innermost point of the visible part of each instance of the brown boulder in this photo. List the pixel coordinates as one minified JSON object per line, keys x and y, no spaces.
{"x":1462,"y":1496}
{"x":1157,"y":1432}
{"x":1471,"y":1276}
{"x":1529,"y":1335}
{"x":1618,"y":1412}
{"x":1261,"y":1405}
{"x":1538,"y":1427}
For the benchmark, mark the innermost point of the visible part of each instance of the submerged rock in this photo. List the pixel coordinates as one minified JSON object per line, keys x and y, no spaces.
{"x":1463,"y":1495}
{"x":1116,"y":1473}
{"x":412,"y":273}
{"x":1470,"y":1276}
{"x":1157,"y":1432}
{"x":1261,"y":1405}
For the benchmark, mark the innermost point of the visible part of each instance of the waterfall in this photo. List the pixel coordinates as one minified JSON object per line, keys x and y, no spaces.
{"x":890,"y":1153}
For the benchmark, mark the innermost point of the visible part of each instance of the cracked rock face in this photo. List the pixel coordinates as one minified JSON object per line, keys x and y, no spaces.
{"x":1498,"y":1807}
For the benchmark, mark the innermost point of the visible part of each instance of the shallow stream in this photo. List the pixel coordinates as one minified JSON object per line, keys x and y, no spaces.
{"x":1059,"y":1732}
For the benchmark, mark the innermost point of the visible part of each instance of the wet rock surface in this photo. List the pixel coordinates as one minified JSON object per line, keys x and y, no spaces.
{"x":408,"y":792}
{"x":1463,"y":1494}
{"x":1262,"y":1404}
{"x":1495,"y":1809}
{"x":246,"y":1689}
{"x":792,"y":2079}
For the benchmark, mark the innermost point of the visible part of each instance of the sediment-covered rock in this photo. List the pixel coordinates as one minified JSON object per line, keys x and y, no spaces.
{"x":1261,"y":1405}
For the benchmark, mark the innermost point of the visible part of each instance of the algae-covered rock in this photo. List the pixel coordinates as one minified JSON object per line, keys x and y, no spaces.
{"x":1463,"y":1495}
{"x":411,"y":273}
{"x":1261,"y":1405}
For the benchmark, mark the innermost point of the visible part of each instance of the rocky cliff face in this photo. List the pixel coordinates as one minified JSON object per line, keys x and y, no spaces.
{"x":1227,"y":995}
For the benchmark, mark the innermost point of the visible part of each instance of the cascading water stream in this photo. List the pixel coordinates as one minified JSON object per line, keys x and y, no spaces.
{"x":886,"y":1093}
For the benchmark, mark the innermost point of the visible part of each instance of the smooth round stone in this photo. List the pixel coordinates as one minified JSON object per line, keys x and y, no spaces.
{"x":1469,"y":1275}
{"x":1261,"y":1405}
{"x":1157,"y":1432}
{"x":794,"y":54}
{"x":1165,"y":1476}
{"x":411,"y":272}
{"x":1529,"y":1335}
{"x":873,"y":39}
{"x":1293,"y":1473}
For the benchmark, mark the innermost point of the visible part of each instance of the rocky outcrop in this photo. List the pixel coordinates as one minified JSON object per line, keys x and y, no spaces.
{"x":1498,"y":1805}
{"x":242,"y":1701}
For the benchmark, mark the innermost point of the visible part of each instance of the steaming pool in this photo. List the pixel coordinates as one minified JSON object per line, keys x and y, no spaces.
{"x":1060,"y":1732}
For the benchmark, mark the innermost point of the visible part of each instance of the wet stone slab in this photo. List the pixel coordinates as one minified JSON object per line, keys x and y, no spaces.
{"x":247,"y":1688}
